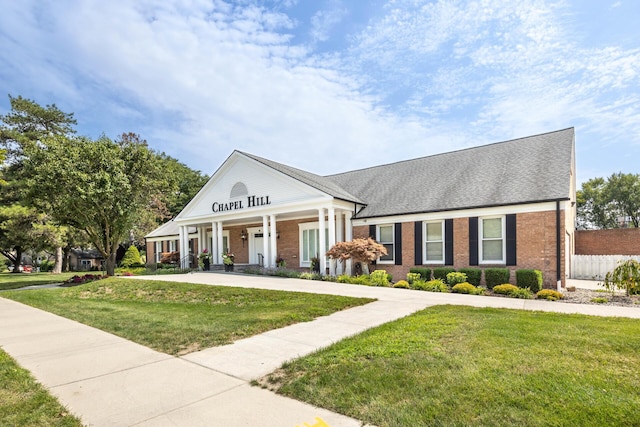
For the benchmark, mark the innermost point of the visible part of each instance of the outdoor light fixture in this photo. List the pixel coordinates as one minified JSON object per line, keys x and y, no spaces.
{"x":243,"y":236}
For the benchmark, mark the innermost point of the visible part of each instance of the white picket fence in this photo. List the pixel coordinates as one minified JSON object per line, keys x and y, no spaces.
{"x":595,"y":267}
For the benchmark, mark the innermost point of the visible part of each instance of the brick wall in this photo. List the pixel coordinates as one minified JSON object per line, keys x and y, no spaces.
{"x":535,"y":246}
{"x":619,"y":241}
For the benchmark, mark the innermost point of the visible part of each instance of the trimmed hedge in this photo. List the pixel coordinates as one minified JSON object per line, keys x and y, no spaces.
{"x":474,"y":275}
{"x":496,"y":276}
{"x":531,"y":279}
{"x":425,"y":273}
{"x":441,"y":272}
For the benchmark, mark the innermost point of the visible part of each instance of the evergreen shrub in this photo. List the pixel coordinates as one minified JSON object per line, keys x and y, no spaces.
{"x":424,"y":272}
{"x":441,"y":272}
{"x":531,"y":279}
{"x":474,"y":275}
{"x":496,"y":276}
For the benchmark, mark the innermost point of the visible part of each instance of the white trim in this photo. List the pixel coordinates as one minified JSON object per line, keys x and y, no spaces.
{"x":391,"y":261}
{"x":424,"y":242}
{"x":465,"y":213}
{"x":481,"y":261}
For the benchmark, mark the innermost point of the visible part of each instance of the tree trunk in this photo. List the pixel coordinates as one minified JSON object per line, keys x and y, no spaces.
{"x":111,"y":264}
{"x":57,"y":267}
{"x":65,"y":258}
{"x":18,"y":260}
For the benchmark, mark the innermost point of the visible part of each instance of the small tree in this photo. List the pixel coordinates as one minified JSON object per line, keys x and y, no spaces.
{"x":364,"y":251}
{"x":625,"y":276}
{"x":131,"y":257}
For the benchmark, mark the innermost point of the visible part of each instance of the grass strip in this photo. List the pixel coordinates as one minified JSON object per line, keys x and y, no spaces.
{"x":463,"y":366}
{"x":179,"y":318}
{"x":20,"y":280}
{"x":24,"y":402}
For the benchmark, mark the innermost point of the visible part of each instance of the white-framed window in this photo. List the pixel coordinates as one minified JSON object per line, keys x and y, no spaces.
{"x":158,"y":251}
{"x":172,"y":245}
{"x":434,"y":242}
{"x":492,"y":240}
{"x":310,"y":242}
{"x":386,"y":238}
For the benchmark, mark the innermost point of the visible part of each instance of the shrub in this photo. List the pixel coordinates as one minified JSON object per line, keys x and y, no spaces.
{"x":522,"y":293}
{"x":505,"y":289}
{"x":425,"y":273}
{"x":531,"y":279}
{"x":599,"y":300}
{"x":454,"y":278}
{"x":379,"y":278}
{"x":45,"y":266}
{"x":131,"y":257}
{"x":496,"y":276}
{"x":343,"y":278}
{"x":467,"y":288}
{"x":549,"y":294}
{"x":435,"y":285}
{"x":361,"y":280}
{"x":441,"y":272}
{"x":307,"y":276}
{"x":401,"y":284}
{"x":412,"y":277}
{"x":625,"y":276}
{"x":474,"y":275}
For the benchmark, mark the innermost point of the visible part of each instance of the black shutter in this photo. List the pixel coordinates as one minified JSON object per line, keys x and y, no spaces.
{"x":511,"y":239}
{"x":397,"y":243}
{"x":448,"y":242}
{"x":418,"y":242}
{"x":372,"y":232}
{"x":473,"y":240}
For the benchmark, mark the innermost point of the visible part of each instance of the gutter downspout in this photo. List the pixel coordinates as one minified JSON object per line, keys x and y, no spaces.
{"x":558,"y":254}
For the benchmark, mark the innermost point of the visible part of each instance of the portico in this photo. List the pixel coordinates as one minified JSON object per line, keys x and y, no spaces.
{"x":261,"y":214}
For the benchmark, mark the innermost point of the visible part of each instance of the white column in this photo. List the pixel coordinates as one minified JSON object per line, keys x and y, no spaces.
{"x":339,"y":238}
{"x":215,"y":252}
{"x":181,"y":244}
{"x":220,"y":248}
{"x":265,"y":240}
{"x":200,"y":241}
{"x":322,"y":256}
{"x":348,"y":236}
{"x":273,"y":249}
{"x":332,"y":239}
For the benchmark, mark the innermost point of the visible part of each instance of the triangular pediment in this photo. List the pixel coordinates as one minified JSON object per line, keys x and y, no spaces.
{"x":243,"y":185}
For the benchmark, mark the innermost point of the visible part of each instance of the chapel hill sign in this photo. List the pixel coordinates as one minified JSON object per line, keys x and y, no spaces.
{"x":252,"y":202}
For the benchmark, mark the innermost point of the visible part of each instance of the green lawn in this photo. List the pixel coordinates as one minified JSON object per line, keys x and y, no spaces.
{"x":461,"y":366}
{"x":24,"y":402}
{"x":179,"y":318}
{"x":19,"y":280}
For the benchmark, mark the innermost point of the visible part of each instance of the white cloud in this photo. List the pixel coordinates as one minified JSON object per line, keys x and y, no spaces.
{"x":200,"y":78}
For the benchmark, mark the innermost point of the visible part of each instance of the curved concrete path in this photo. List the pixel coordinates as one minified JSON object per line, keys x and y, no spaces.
{"x":109,"y":381}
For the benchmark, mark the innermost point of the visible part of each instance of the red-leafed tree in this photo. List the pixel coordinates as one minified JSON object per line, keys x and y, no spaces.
{"x":364,"y":251}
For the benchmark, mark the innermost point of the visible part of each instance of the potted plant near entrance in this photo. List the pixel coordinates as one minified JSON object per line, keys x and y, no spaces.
{"x":227,"y":259}
{"x":205,"y":259}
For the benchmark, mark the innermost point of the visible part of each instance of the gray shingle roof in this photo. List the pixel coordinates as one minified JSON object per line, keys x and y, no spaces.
{"x":316,"y":181}
{"x":531,"y":169}
{"x":169,"y":228}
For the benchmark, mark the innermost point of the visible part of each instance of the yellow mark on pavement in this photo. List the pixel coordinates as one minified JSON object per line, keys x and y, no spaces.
{"x":319,"y":423}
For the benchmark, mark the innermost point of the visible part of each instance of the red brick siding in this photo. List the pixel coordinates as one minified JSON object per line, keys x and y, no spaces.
{"x":535,"y":246}
{"x":619,"y":241}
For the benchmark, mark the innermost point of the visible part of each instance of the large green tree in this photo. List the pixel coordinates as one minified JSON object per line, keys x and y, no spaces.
{"x":22,"y":129}
{"x":610,"y":203}
{"x":99,"y":187}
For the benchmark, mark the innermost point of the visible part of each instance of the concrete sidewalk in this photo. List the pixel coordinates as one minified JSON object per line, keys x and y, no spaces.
{"x":107,"y":380}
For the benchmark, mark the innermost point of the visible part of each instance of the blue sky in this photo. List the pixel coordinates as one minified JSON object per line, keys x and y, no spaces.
{"x":333,"y":85}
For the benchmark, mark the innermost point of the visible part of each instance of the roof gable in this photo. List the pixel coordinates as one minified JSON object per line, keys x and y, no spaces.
{"x":244,"y":183}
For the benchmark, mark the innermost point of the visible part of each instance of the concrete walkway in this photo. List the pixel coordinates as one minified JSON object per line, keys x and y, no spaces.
{"x":109,"y":381}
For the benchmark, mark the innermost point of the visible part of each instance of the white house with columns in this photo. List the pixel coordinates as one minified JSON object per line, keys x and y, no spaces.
{"x":261,"y":212}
